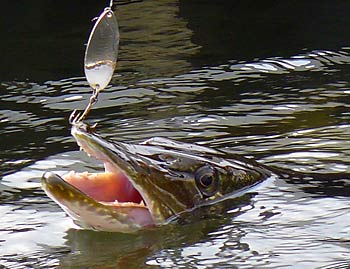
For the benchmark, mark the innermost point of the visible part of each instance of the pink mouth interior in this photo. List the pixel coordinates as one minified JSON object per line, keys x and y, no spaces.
{"x":104,"y":187}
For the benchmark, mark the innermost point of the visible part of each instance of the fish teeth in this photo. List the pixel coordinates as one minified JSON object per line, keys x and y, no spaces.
{"x":142,"y":203}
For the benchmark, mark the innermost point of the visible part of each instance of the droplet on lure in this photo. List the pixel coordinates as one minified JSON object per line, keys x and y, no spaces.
{"x":102,"y":51}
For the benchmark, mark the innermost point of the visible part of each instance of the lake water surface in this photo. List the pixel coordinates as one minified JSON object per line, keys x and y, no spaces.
{"x":267,"y":81}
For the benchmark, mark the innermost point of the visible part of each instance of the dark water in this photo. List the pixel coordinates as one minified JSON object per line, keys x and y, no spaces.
{"x":268,"y":81}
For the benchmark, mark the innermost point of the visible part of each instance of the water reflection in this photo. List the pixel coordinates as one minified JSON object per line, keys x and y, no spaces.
{"x":158,"y":41}
{"x":116,"y":249}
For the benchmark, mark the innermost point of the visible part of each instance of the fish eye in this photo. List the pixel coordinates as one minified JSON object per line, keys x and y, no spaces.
{"x":207,"y":180}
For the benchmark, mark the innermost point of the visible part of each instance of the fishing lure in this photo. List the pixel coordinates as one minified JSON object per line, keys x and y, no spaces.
{"x":100,"y":57}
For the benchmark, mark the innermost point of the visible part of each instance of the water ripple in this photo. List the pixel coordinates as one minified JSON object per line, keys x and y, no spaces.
{"x":288,"y":119}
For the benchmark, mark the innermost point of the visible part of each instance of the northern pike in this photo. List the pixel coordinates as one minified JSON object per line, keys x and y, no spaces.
{"x":148,"y":184}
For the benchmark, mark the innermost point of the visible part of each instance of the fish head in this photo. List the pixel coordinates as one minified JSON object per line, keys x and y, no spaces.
{"x":157,"y":181}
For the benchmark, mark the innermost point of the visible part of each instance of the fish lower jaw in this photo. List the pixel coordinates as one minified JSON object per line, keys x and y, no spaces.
{"x":89,"y":213}
{"x":123,"y":218}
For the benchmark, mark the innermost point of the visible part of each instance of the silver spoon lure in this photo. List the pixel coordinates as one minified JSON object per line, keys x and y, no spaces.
{"x":100,"y":57}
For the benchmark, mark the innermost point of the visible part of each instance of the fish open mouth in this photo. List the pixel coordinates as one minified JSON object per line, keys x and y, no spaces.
{"x":105,"y":200}
{"x":110,"y":187}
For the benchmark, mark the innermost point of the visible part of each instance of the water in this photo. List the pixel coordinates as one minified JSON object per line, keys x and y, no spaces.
{"x":270,"y":85}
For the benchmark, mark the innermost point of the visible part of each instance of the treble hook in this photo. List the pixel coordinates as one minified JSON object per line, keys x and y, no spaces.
{"x":73,"y":118}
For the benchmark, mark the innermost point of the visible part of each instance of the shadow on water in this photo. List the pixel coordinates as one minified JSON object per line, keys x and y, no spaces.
{"x":247,"y":30}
